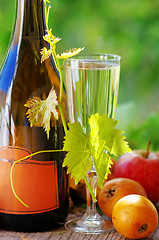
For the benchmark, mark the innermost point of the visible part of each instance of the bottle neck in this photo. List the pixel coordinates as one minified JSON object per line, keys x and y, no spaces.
{"x":30,"y":19}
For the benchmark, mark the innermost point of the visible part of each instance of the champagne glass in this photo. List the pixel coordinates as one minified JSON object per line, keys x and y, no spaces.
{"x":91,"y":82}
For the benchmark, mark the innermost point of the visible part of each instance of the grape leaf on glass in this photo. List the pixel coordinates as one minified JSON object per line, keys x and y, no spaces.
{"x":93,"y":150}
{"x":78,"y":157}
{"x":106,"y":140}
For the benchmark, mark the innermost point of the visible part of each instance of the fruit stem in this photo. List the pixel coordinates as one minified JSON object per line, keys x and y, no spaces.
{"x":147,"y":149}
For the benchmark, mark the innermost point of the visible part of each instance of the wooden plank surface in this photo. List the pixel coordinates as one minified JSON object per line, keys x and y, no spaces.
{"x":63,"y":234}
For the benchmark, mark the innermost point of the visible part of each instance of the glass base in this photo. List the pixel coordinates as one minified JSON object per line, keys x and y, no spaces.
{"x":90,"y":224}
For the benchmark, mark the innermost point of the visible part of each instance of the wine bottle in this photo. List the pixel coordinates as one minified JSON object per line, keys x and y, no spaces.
{"x":40,"y":181}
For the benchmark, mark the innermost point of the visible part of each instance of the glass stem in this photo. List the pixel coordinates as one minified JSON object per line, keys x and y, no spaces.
{"x":91,"y":205}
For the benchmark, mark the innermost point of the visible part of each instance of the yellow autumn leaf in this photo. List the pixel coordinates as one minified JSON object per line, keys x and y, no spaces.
{"x":69,"y":53}
{"x":50,"y":38}
{"x":45,"y":54}
{"x":39,"y":111}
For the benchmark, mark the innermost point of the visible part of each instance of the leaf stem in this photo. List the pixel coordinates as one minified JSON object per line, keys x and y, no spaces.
{"x":61,"y":88}
{"x":61,"y":77}
{"x":55,"y":58}
{"x":90,"y":189}
{"x":63,"y":118}
{"x":11,"y":180}
{"x":17,"y":161}
{"x":47,"y":16}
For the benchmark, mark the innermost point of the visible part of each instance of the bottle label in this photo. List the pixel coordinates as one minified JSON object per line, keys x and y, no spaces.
{"x":35,"y":183}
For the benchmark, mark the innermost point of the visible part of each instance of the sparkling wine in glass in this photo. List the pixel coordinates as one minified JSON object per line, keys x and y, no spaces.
{"x":91,"y":83}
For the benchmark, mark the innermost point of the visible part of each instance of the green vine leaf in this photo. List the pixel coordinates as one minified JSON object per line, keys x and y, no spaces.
{"x":93,"y":150}
{"x":106,"y":140}
{"x":40,"y":111}
{"x":78,"y":157}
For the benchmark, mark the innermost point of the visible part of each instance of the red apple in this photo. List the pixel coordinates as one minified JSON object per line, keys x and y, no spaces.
{"x":142,"y":166}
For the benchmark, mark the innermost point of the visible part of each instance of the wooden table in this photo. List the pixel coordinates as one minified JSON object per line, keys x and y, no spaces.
{"x":62,"y":234}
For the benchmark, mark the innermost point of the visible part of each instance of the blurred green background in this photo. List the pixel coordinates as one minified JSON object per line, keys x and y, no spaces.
{"x":127,"y":28}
